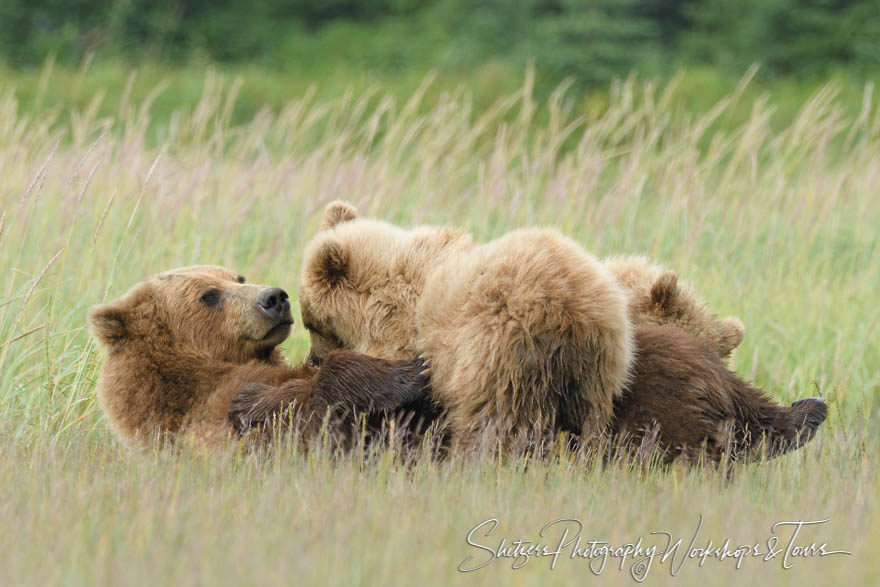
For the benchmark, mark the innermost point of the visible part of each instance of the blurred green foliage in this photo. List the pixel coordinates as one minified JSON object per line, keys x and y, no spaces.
{"x":591,"y":40}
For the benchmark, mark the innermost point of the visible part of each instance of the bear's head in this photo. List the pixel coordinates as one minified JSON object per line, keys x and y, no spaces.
{"x":361,"y":280}
{"x":202,"y":311}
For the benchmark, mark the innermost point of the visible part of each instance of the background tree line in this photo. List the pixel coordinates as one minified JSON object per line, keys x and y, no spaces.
{"x":592,"y":40}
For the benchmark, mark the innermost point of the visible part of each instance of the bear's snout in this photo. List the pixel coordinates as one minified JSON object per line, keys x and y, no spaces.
{"x":274,"y":303}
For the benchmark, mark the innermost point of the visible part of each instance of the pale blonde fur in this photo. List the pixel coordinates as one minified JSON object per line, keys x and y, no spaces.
{"x":656,"y":296}
{"x":525,"y":334}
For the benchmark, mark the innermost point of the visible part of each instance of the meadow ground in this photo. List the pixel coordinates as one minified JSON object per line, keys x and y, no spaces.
{"x":778,"y":226}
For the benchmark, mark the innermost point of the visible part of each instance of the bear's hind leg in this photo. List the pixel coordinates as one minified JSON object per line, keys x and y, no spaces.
{"x":797,"y":426}
{"x":766,"y":429}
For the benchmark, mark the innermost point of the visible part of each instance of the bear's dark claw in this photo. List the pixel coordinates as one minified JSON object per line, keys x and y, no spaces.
{"x":424,"y":372}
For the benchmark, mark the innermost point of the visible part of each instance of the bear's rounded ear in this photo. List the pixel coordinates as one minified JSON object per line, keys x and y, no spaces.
{"x":113,"y":322}
{"x":107,"y":323}
{"x":331,"y":263}
{"x":664,"y":292}
{"x":336,"y":213}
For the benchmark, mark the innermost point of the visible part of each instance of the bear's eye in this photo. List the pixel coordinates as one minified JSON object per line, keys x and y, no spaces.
{"x":240,"y":279}
{"x":210,"y":297}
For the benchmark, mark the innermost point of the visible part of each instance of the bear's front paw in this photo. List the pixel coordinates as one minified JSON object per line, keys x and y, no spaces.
{"x":247,"y":409}
{"x":415,"y":382}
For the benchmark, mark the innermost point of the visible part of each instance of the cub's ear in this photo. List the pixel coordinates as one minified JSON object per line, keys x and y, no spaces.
{"x":330,"y":264}
{"x":664,"y":292}
{"x":336,"y":213}
{"x":107,"y":322}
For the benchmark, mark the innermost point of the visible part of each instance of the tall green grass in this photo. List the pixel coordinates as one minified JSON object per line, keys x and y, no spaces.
{"x":775,"y":225}
{"x":110,"y":85}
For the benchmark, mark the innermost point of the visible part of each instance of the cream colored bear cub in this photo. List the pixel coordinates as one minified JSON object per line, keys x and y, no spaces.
{"x":657,"y":297}
{"x":525,"y":334}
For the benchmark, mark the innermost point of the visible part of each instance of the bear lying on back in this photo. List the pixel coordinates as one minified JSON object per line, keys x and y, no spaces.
{"x":183,"y":343}
{"x":682,"y":403}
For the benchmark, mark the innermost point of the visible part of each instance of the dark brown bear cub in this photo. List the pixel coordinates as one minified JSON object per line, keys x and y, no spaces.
{"x":183,"y":343}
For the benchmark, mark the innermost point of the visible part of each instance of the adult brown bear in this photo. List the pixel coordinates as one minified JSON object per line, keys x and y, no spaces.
{"x":682,"y":403}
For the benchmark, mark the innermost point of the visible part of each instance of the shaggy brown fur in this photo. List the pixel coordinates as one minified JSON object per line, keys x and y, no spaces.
{"x":347,"y":385}
{"x":683,"y":404}
{"x":687,"y":403}
{"x":657,"y":297}
{"x":525,"y":334}
{"x":183,"y":343}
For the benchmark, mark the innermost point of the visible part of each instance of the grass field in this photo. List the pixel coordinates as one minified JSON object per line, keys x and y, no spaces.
{"x":776,"y":226}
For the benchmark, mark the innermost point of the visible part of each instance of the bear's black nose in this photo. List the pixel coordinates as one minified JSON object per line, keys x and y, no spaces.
{"x":274,"y":302}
